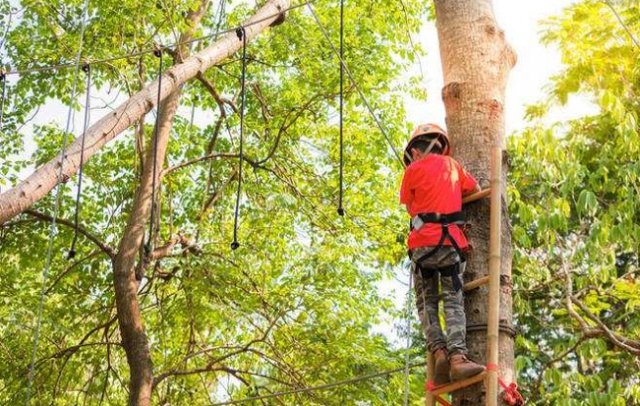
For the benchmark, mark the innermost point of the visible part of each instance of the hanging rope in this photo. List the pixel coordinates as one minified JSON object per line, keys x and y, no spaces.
{"x":87,"y":108}
{"x":156,"y":130}
{"x":408,"y":332}
{"x":3,"y":79}
{"x":353,"y":81}
{"x":220,"y":13}
{"x":193,"y":111}
{"x":56,"y":208}
{"x":341,"y":196}
{"x":242,"y":35}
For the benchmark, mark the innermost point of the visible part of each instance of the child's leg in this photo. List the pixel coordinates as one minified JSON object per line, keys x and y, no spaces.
{"x":427,"y":303}
{"x":454,"y":316}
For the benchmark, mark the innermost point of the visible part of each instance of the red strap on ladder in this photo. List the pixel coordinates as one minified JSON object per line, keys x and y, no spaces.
{"x":511,"y":395}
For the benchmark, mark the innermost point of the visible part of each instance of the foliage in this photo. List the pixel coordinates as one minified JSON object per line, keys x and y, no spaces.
{"x":574,"y":205}
{"x":294,"y":305}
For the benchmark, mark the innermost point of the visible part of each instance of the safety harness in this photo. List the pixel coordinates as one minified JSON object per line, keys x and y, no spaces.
{"x":453,"y":270}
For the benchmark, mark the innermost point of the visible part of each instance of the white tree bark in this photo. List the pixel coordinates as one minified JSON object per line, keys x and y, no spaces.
{"x":38,"y":184}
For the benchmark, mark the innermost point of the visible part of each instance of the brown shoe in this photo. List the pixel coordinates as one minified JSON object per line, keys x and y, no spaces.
{"x":441,"y":370}
{"x":462,"y":368}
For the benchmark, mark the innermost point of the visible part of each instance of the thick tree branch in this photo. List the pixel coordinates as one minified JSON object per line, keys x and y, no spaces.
{"x":39,"y":183}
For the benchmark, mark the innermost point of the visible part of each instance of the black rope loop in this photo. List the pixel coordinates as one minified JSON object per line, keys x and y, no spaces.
{"x":87,"y":108}
{"x":242,"y":36}
{"x":157,"y":50}
{"x":152,"y":217}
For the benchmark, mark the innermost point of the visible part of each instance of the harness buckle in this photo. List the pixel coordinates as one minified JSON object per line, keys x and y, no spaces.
{"x":417,"y":223}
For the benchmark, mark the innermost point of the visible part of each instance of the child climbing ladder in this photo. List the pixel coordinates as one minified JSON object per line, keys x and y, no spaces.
{"x":434,"y":187}
{"x":432,"y":190}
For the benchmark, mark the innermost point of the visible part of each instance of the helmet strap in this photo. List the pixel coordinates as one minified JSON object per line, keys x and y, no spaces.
{"x":407,"y":152}
{"x":430,"y":147}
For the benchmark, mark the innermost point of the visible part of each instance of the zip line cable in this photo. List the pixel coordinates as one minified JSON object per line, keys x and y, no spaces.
{"x":152,"y":50}
{"x":624,"y":25}
{"x":152,"y":217}
{"x":353,"y":81}
{"x":242,"y":36}
{"x":56,"y":208}
{"x":341,"y":195}
{"x":87,"y":107}
{"x":320,"y":387}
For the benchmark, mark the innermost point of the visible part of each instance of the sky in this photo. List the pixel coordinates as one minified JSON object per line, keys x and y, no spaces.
{"x":536,"y":64}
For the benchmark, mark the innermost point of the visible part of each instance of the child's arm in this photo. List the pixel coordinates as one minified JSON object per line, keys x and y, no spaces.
{"x":468,"y":183}
{"x":470,"y":192}
{"x":406,"y":189}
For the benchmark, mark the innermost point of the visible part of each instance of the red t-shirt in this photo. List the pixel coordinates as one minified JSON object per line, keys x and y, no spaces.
{"x":435,"y":184}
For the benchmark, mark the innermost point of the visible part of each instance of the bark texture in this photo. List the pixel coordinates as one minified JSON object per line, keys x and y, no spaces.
{"x":476,"y":61}
{"x":37,"y":185}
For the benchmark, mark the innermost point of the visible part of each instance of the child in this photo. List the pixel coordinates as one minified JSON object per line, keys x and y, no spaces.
{"x":432,"y":189}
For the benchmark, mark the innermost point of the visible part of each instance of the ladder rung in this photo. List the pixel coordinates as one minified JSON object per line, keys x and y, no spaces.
{"x":451,"y":387}
{"x":475,"y":283}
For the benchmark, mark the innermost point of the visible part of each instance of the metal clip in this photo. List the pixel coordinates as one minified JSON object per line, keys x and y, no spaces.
{"x":417,"y":223}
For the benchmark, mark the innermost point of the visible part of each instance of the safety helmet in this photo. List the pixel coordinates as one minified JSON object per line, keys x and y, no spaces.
{"x":427,"y":132}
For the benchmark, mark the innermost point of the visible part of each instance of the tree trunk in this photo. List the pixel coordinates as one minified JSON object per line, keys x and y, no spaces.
{"x":476,"y":61}
{"x":38,"y":184}
{"x":134,"y":339}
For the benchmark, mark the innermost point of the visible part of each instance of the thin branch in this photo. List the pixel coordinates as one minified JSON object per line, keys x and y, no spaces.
{"x":221,"y":101}
{"x":89,"y":235}
{"x":627,"y":344}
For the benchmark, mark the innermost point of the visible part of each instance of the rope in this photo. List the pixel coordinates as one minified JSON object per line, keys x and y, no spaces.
{"x":353,"y":81}
{"x":511,"y":396}
{"x":242,"y":35}
{"x":220,"y":13}
{"x":87,"y":108}
{"x":340,"y":208}
{"x":149,"y":245}
{"x":56,"y":208}
{"x":406,"y":354}
{"x":319,"y":387}
{"x":3,"y":78}
{"x":193,"y":110}
{"x":153,"y":50}
{"x":624,"y":25}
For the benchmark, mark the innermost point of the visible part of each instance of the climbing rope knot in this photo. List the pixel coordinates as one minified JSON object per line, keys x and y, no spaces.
{"x":157,"y":50}
{"x":511,"y":396}
{"x":240,"y":32}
